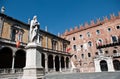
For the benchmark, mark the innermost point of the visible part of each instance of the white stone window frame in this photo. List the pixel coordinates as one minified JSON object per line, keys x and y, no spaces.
{"x":101,"y":40}
{"x":97,"y":32}
{"x":88,"y":34}
{"x":81,"y":36}
{"x":91,"y":43}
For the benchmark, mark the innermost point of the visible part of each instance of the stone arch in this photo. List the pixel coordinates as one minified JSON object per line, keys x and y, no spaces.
{"x":103,"y":65}
{"x":67,"y":62}
{"x":50,"y":61}
{"x":6,"y":57}
{"x":62,"y":62}
{"x":20,"y":58}
{"x":57,"y":63}
{"x":116,"y":64}
{"x":43,"y":60}
{"x":114,"y":51}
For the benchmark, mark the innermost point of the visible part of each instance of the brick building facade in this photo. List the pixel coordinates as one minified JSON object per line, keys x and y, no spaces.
{"x":96,"y":45}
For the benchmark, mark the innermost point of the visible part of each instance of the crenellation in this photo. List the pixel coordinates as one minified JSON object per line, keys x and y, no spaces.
{"x":71,"y":29}
{"x":86,"y":24}
{"x":98,"y":21}
{"x":92,"y":23}
{"x":105,"y":19}
{"x":112,"y":16}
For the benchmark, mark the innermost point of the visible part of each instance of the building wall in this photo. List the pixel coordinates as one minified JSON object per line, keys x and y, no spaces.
{"x":86,"y":64}
{"x":6,"y":29}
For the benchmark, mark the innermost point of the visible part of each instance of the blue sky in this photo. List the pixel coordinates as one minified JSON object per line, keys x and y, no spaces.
{"x":59,"y":15}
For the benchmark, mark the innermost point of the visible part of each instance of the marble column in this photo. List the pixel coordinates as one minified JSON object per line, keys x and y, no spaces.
{"x":65,"y":62}
{"x":46,"y":62}
{"x":60,"y":64}
{"x":54,"y":63}
{"x":110,"y":64}
{"x":13,"y":61}
{"x":97,"y":65}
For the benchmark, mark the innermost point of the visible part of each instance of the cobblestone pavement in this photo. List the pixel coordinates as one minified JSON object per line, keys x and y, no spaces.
{"x":100,"y":75}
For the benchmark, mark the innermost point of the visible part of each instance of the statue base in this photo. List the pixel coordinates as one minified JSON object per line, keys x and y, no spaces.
{"x":33,"y":68}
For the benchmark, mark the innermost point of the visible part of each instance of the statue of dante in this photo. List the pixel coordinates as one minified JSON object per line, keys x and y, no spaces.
{"x":34,"y":28}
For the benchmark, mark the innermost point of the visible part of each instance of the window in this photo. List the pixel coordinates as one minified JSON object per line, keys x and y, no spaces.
{"x":13,"y":36}
{"x":81,"y":46}
{"x":114,"y":39}
{"x":75,"y":56}
{"x":99,"y":42}
{"x":114,"y":51}
{"x":89,"y":43}
{"x":109,"y":29}
{"x":89,"y":55}
{"x":64,"y":46}
{"x":106,"y":52}
{"x":81,"y":36}
{"x":118,"y":27}
{"x":73,"y":38}
{"x":88,"y":34}
{"x":96,"y":53}
{"x":54,"y":44}
{"x":97,"y":32}
{"x":82,"y":55}
{"x":16,"y":33}
{"x":74,"y":47}
{"x":20,"y":35}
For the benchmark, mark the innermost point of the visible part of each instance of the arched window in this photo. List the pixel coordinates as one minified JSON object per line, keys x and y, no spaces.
{"x":82,"y":55}
{"x":97,"y":32}
{"x":75,"y":56}
{"x":103,"y":65}
{"x":81,"y":36}
{"x":114,"y":39}
{"x":89,"y":55}
{"x":99,"y":42}
{"x":114,"y":51}
{"x":118,"y":27}
{"x":109,"y":29}
{"x":88,"y":34}
{"x":89,"y":43}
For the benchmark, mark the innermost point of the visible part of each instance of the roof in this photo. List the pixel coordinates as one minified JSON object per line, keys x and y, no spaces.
{"x":6,"y":16}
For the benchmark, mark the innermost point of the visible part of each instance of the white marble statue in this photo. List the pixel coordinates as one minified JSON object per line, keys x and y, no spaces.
{"x":34,"y":28}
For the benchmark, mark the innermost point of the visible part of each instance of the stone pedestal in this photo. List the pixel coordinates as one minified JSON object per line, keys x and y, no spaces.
{"x":33,"y":68}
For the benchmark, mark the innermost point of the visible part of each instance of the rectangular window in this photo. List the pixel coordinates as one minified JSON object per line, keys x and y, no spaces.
{"x":54,"y":44}
{"x":13,"y":35}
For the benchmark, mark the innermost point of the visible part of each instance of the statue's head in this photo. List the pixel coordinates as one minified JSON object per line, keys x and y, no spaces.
{"x":35,"y":17}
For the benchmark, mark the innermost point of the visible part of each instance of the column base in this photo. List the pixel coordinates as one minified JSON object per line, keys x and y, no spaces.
{"x":33,"y":73}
